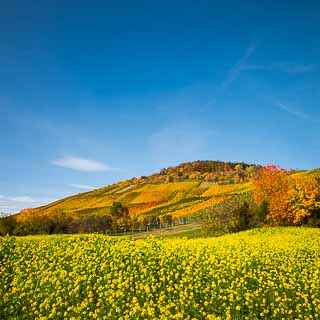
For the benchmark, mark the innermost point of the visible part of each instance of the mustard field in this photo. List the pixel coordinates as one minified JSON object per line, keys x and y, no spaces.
{"x":271,"y":273}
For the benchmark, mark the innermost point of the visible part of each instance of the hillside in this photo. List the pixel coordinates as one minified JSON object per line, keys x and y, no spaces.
{"x":188,"y":192}
{"x":182,"y":190}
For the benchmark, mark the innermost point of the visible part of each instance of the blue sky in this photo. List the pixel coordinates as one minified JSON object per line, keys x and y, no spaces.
{"x":93,"y":92}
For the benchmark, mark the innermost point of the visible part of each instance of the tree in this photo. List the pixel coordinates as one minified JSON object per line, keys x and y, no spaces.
{"x":29,"y":221}
{"x":149,"y":221}
{"x":57,"y":222}
{"x":7,"y":225}
{"x":165,"y":220}
{"x":118,"y":210}
{"x":120,"y":215}
{"x":304,"y":200}
{"x":233,"y":215}
{"x":250,"y":171}
{"x":169,"y":179}
{"x":272,"y":187}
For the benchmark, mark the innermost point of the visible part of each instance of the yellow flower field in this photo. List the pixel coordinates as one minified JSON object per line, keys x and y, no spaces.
{"x":259,"y":274}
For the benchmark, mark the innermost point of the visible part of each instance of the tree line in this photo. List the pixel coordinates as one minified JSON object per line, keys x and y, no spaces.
{"x":30,"y":221}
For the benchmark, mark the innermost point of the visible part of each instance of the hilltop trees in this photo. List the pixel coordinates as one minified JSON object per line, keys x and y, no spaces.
{"x":219,"y":172}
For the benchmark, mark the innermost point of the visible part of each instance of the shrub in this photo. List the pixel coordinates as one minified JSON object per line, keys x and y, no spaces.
{"x":231,"y":216}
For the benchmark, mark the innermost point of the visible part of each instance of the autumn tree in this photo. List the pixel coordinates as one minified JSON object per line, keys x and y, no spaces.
{"x":120,"y":215}
{"x":304,"y":200}
{"x":29,"y":221}
{"x":272,"y":187}
{"x":165,"y":220}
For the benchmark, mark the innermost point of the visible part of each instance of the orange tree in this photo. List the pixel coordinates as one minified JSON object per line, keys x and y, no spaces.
{"x":272,"y":185}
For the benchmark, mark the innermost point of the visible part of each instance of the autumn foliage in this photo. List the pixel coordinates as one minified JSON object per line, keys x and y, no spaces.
{"x":304,"y":199}
{"x":290,"y":200}
{"x":188,"y":191}
{"x":272,"y":186}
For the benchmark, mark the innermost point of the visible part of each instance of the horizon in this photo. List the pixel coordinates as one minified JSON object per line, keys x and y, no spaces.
{"x":94,"y":94}
{"x":86,"y":189}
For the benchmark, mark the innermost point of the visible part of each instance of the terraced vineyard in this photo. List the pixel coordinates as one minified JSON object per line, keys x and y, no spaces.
{"x":259,"y":274}
{"x":176,"y":198}
{"x":180,"y":191}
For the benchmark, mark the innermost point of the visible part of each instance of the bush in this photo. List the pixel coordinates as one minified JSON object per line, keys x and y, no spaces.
{"x":231,"y":216}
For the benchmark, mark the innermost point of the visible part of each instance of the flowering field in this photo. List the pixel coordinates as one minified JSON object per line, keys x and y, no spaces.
{"x":259,"y":274}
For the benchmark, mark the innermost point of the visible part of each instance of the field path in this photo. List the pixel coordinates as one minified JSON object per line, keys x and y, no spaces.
{"x":167,"y":231}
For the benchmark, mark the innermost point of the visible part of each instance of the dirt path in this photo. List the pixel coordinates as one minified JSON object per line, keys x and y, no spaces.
{"x":168,"y":231}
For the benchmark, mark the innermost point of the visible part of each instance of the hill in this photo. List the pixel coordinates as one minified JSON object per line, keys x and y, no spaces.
{"x":180,"y":191}
{"x":189,"y":192}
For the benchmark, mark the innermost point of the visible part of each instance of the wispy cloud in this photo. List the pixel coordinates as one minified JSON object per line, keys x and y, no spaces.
{"x":82,"y":186}
{"x":233,"y":73}
{"x":292,"y":68}
{"x":82,"y":164}
{"x":295,"y":113}
{"x":13,"y":204}
{"x":16,"y":203}
{"x":241,"y":65}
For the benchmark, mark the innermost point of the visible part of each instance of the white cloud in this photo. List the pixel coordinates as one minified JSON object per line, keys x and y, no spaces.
{"x":26,"y":199}
{"x":241,"y":65}
{"x":82,"y":186}
{"x":233,"y":74}
{"x":15,"y":204}
{"x":292,"y":68}
{"x":82,"y":164}
{"x":296,"y":113}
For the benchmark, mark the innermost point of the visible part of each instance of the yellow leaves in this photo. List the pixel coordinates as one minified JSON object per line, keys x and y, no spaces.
{"x":139,"y":199}
{"x":198,"y":207}
{"x":304,"y":198}
{"x":228,"y":188}
{"x":291,"y":199}
{"x":163,"y":191}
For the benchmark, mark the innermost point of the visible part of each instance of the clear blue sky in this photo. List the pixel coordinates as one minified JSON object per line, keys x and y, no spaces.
{"x":92,"y":92}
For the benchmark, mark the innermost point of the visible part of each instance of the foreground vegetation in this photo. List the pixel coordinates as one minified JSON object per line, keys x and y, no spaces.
{"x":258,"y":274}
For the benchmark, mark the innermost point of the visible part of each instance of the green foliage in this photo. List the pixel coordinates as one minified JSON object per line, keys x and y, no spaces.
{"x":262,"y":210}
{"x":7,"y":225}
{"x":118,"y":210}
{"x":230,"y":216}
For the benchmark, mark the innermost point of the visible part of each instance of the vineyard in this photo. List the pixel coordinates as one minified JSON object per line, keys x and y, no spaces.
{"x":259,"y":274}
{"x":175,"y":198}
{"x":185,"y":193}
